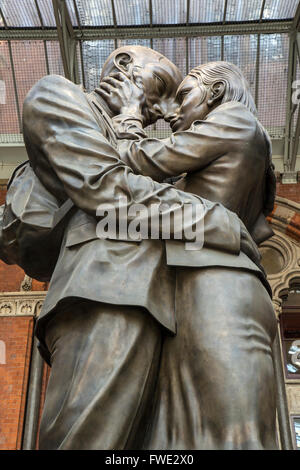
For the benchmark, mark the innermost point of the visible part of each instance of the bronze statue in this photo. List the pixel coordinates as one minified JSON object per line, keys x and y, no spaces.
{"x":216,"y":387}
{"x":111,"y":302}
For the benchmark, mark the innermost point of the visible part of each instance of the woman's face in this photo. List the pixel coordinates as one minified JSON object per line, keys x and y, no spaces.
{"x":192,"y":99}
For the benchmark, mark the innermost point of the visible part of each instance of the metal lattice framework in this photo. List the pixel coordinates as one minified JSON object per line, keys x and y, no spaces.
{"x":73,"y":38}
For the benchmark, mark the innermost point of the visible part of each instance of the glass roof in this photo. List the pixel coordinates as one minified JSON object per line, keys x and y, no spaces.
{"x":24,"y":13}
{"x":134,"y":12}
{"x":211,"y":11}
{"x":91,"y":13}
{"x":262,"y":58}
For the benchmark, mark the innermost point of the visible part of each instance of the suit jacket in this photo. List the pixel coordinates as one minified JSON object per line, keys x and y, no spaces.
{"x":226,"y":158}
{"x":71,"y":148}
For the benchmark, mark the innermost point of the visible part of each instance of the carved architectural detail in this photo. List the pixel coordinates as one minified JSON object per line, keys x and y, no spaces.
{"x":38,"y":308}
{"x":21,"y":303}
{"x":285,"y":244}
{"x":277,"y":304}
{"x":26,"y":284}
{"x":7,"y":308}
{"x":26,"y":308}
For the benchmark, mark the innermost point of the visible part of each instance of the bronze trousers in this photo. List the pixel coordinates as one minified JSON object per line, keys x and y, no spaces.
{"x":105,"y":361}
{"x":216,"y":387}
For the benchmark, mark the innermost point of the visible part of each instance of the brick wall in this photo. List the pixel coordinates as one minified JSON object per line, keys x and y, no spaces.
{"x":289,"y":191}
{"x":16,"y":333}
{"x":12,"y":276}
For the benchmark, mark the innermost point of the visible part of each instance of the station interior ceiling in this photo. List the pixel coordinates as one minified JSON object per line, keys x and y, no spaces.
{"x":74,"y":37}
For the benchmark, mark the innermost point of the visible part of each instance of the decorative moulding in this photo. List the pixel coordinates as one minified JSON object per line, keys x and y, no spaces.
{"x":21,"y":303}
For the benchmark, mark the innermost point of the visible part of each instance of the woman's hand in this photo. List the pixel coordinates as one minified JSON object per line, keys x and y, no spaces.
{"x":122,"y":94}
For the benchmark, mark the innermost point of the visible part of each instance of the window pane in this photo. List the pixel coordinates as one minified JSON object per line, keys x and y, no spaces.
{"x":71,"y":9}
{"x":241,"y":51}
{"x":29,"y":64}
{"x":54,"y":58}
{"x":273,"y":73}
{"x":8,"y":110}
{"x":280,"y":9}
{"x":243,"y":10}
{"x":95,"y":12}
{"x":210,"y":11}
{"x":132,"y":12}
{"x":95,"y":54}
{"x":19,"y":14}
{"x":46,"y":8}
{"x":204,"y":49}
{"x":169,"y":11}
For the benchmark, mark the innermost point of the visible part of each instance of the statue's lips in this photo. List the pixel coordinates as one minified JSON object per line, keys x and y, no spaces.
{"x":175,"y":123}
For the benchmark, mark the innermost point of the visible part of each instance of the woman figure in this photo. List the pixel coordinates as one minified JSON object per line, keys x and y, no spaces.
{"x":216,"y":388}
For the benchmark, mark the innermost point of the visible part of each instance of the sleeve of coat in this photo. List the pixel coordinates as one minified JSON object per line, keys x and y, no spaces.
{"x":190,"y":150}
{"x":73,"y":159}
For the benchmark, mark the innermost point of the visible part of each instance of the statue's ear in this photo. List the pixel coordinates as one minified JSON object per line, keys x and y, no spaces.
{"x":122,"y":61}
{"x":217,"y":91}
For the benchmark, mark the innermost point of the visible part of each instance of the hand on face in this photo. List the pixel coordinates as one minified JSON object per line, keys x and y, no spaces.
{"x":121,"y":94}
{"x":149,"y":92}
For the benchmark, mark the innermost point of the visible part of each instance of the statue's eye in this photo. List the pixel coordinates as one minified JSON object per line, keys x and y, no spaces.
{"x":160,"y":85}
{"x":182,"y":95}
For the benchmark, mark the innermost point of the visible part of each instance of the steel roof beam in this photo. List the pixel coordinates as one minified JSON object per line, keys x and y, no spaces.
{"x":296,"y":20}
{"x":158,"y":31}
{"x":187,"y":59}
{"x":224,"y":21}
{"x":114,"y":20}
{"x":43,"y":27}
{"x":258,"y":54}
{"x":80,"y":42}
{"x":67,"y":40}
{"x":262,"y":11}
{"x":225,"y":11}
{"x":190,"y":30}
{"x":151,"y":20}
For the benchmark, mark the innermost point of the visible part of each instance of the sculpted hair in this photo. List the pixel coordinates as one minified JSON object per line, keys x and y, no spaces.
{"x":237,"y":87}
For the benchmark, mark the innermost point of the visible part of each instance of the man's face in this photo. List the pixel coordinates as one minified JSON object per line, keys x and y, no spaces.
{"x":160,"y":88}
{"x":192,"y":98}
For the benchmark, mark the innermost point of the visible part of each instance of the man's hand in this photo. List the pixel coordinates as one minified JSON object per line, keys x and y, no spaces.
{"x":123,"y":95}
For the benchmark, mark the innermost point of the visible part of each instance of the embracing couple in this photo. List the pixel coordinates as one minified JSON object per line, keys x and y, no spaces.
{"x":151,"y":345}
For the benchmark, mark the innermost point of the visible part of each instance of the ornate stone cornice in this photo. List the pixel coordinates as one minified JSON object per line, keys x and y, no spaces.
{"x":21,"y":303}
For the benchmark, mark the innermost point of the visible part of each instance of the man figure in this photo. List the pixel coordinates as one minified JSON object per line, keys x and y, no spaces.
{"x":216,"y":387}
{"x":109,"y":300}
